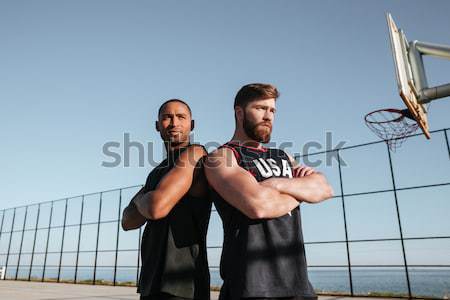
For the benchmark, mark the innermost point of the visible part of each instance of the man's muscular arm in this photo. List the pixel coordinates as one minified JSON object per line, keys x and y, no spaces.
{"x":307,"y":185}
{"x":131,"y":218}
{"x":240,"y":189}
{"x":313,"y":188}
{"x":157,"y":204}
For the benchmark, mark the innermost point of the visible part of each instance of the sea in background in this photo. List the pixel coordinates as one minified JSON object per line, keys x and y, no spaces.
{"x":425,"y":282}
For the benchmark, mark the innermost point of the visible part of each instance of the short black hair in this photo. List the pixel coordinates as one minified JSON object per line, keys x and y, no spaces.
{"x":174,"y":100}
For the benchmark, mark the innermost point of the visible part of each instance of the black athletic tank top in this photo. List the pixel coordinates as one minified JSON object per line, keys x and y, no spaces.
{"x":173,"y":252}
{"x":266,"y":257}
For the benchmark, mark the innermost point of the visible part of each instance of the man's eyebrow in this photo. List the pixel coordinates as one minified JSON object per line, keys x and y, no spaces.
{"x":266,"y":107}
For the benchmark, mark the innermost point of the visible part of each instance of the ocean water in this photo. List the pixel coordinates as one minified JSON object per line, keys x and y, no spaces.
{"x":424,"y":282}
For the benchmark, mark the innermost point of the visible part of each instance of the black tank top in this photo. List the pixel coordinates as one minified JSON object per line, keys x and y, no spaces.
{"x":266,"y":257}
{"x":173,"y":252}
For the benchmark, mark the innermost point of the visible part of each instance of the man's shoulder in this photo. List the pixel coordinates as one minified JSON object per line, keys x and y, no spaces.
{"x":278,"y":151}
{"x":221,"y":155}
{"x":154,"y":174}
{"x":196,"y":150}
{"x":196,"y":145}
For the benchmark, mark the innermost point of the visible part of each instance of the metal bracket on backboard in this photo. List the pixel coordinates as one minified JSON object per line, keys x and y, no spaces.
{"x":424,"y":93}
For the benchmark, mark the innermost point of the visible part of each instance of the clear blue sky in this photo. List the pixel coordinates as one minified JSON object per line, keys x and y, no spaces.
{"x":77,"y":74}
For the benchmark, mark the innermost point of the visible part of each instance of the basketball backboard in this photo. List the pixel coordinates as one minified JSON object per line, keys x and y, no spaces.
{"x":406,"y":87}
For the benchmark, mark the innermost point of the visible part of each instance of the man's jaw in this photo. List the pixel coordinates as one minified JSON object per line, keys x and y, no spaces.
{"x":175,"y":138}
{"x":260,"y":136}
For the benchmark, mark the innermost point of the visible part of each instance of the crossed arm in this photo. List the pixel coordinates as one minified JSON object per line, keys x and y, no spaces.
{"x":183,"y":178}
{"x":240,"y":189}
{"x":307,"y":185}
{"x":261,"y":200}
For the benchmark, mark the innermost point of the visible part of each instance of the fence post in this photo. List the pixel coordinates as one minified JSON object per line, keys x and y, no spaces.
{"x":117,"y":237}
{"x":46,"y":246}
{"x":62,"y":241}
{"x":399,"y":221}
{"x":1,"y":226}
{"x":2,"y":273}
{"x":98,"y":233}
{"x":1,"y":229}
{"x":345,"y":224}
{"x":34,"y":241}
{"x":21,"y":241}
{"x":446,"y":141}
{"x":10,"y":238}
{"x":79,"y":238}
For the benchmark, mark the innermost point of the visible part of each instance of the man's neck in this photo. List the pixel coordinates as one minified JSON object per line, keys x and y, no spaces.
{"x":241,"y":138}
{"x":172,"y":149}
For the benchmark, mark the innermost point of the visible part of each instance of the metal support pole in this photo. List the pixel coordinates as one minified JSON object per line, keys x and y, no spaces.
{"x":117,"y":237}
{"x":441,"y":51}
{"x":1,"y":229}
{"x":10,"y":237}
{"x":62,"y":241}
{"x":345,"y":225}
{"x":416,"y":50}
{"x":399,"y":222}
{"x":433,"y":93}
{"x":34,"y":241}
{"x":46,"y":246}
{"x":98,"y":233}
{"x":1,"y":226}
{"x":417,"y":68}
{"x":79,"y":238}
{"x":21,"y":241}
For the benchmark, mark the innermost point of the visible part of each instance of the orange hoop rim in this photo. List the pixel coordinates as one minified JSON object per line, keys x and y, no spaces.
{"x":391,"y":110}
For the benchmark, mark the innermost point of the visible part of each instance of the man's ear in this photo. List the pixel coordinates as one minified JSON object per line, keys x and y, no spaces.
{"x":192,"y":124}
{"x":239,"y":111}
{"x":157,"y":126}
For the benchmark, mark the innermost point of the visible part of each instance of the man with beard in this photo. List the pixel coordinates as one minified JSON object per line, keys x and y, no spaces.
{"x":174,"y":206}
{"x":257,"y":192}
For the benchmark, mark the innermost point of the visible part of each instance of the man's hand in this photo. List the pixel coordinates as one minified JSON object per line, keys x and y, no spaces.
{"x":301,"y":171}
{"x":307,"y":185}
{"x":131,"y":218}
{"x":313,"y":188}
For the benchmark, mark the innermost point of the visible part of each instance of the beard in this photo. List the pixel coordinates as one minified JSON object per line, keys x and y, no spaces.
{"x":174,"y":140}
{"x":256,"y":132}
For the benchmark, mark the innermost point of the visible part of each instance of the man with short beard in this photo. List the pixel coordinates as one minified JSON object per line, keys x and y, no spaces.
{"x":257,"y":192}
{"x":174,"y":206}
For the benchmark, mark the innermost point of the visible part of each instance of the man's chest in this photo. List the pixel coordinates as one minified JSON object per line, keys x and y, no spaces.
{"x":266,"y":166}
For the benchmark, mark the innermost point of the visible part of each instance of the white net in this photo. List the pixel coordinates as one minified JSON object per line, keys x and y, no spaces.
{"x":391,"y":125}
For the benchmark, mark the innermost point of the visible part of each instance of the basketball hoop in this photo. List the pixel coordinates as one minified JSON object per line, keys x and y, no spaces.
{"x":392,"y":125}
